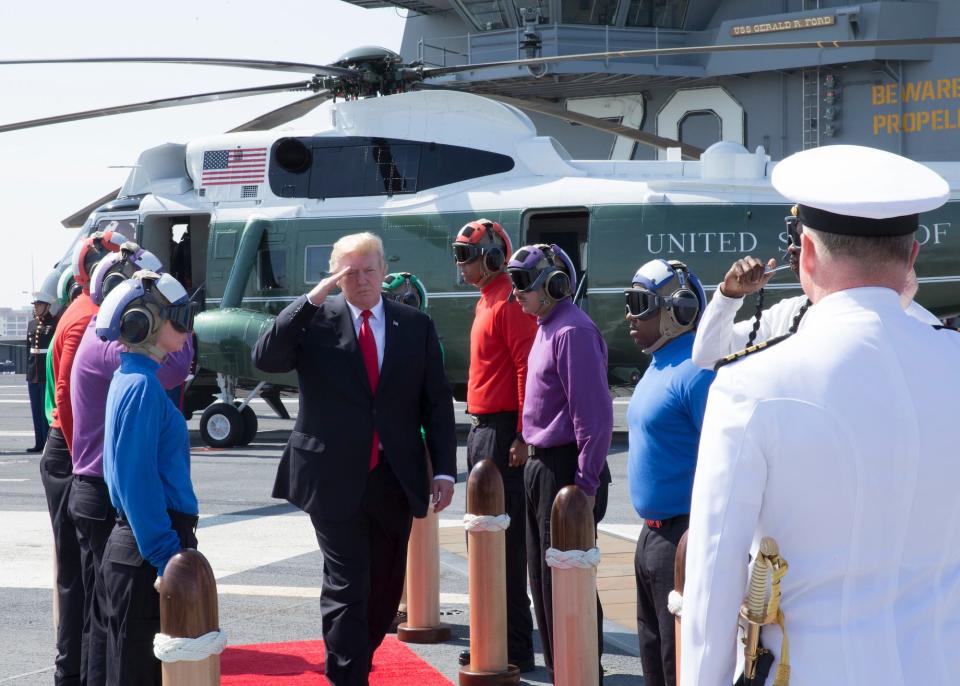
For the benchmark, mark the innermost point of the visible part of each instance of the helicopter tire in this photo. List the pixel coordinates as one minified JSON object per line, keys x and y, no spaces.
{"x":250,"y":424}
{"x":221,"y":425}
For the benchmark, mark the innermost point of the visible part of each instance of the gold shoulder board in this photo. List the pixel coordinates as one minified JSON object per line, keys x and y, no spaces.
{"x":740,"y":354}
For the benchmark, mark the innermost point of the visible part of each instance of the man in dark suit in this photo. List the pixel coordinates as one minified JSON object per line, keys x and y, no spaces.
{"x":371,"y":374}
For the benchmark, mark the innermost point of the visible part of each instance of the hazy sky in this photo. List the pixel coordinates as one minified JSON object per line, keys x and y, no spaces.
{"x":48,"y":173}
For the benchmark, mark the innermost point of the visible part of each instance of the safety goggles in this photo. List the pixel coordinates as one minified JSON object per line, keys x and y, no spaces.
{"x":465,"y":253}
{"x":180,"y":316}
{"x":642,"y":304}
{"x":527,"y":279}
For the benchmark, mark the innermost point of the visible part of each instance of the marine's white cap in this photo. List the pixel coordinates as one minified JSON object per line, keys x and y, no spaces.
{"x":859,"y":191}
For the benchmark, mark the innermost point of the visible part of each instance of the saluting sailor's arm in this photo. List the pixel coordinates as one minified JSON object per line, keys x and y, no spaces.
{"x":717,"y":336}
{"x":727,"y":496}
{"x":278,"y":348}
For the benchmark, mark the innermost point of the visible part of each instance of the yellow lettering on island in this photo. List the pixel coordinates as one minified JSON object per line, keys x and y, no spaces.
{"x":929,"y":90}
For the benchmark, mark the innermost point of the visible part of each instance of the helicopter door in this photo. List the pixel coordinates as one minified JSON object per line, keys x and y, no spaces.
{"x":180,"y":243}
{"x":566,"y":228}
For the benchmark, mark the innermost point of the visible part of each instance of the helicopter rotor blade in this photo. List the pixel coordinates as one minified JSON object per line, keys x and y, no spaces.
{"x":266,"y":121}
{"x":159,"y":104}
{"x":569,"y":116}
{"x":284,"y":114}
{"x":695,"y":50}
{"x":268,"y":65}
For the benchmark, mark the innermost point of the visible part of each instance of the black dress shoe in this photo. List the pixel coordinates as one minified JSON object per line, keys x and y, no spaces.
{"x":35,"y":449}
{"x":398,"y":619}
{"x":464,"y":658}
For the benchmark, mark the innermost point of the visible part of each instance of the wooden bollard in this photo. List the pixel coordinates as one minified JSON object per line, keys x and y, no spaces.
{"x":487,"y":582}
{"x":576,"y":659}
{"x":188,"y":609}
{"x":423,"y":584}
{"x":679,"y":580}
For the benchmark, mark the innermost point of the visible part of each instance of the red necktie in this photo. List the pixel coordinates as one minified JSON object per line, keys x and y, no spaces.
{"x":368,"y":348}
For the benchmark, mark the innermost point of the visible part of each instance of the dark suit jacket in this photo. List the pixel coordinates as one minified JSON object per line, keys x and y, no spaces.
{"x":325,"y":464}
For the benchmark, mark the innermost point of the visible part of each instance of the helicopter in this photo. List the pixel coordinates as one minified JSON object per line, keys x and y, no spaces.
{"x":247,"y":219}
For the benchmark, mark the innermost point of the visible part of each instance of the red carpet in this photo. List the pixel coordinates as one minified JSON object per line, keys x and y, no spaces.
{"x":300,"y":663}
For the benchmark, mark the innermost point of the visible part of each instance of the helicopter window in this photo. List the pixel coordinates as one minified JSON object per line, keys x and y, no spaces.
{"x":271,"y":269}
{"x":663,"y":14}
{"x":316,"y":261}
{"x":355,"y":166}
{"x":379,"y":169}
{"x":128,"y":227}
{"x":600,"y":12}
{"x":485,"y":15}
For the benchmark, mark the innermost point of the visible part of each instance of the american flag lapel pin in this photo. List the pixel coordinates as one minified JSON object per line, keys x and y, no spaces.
{"x":395,"y":323}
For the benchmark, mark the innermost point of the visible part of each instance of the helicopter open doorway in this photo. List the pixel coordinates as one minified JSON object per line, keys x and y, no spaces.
{"x":567,"y":228}
{"x":180,"y":243}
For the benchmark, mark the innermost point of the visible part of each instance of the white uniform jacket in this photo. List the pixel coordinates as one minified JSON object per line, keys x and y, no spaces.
{"x":839,"y":442}
{"x":718,"y":336}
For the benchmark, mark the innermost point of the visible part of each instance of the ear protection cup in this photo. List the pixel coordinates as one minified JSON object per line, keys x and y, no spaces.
{"x":493,"y":259}
{"x":136,"y":325}
{"x":111,"y":281}
{"x":557,"y":285}
{"x":685,"y":308}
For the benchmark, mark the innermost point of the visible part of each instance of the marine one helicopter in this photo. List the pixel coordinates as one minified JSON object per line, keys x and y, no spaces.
{"x":247,"y":219}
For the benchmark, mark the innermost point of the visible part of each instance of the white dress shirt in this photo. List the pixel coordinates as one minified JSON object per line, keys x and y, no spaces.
{"x":378,"y":325}
{"x":839,"y":443}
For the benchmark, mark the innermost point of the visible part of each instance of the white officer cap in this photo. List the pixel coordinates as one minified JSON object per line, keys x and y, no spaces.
{"x":859,"y":191}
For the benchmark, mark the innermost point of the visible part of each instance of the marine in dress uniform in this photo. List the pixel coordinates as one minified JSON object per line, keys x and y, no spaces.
{"x":39,"y":334}
{"x":838,"y":443}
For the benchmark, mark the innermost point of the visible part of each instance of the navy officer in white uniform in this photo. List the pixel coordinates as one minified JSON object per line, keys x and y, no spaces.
{"x":838,"y":442}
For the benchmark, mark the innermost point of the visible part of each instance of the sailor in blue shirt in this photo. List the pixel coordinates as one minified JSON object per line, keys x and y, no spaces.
{"x":664,"y":421}
{"x":146,"y":465}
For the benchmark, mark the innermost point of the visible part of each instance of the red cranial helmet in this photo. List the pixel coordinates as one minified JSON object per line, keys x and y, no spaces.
{"x":483,"y":238}
{"x":90,"y":251}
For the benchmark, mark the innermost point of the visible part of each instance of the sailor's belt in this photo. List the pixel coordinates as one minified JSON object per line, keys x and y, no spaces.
{"x":38,"y":351}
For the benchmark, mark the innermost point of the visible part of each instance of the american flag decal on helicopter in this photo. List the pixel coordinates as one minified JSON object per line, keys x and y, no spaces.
{"x":233,"y":167}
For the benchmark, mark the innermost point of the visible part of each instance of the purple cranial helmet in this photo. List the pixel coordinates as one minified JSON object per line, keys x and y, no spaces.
{"x":544,"y":266}
{"x":119,"y":266}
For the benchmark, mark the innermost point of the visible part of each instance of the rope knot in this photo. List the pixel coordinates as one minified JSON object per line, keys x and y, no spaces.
{"x":170,"y":649}
{"x":573,"y":559}
{"x":489,"y":523}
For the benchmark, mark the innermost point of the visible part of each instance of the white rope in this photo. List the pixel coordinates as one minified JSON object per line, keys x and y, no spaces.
{"x":573,"y":559}
{"x":486,"y":522}
{"x":170,"y":649}
{"x":675,"y":603}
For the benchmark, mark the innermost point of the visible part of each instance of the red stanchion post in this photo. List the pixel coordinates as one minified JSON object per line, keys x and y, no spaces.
{"x":487,"y":580}
{"x":188,"y":609}
{"x":576,"y":659}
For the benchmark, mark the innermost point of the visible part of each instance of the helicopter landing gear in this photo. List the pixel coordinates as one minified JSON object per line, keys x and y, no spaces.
{"x":229,"y":422}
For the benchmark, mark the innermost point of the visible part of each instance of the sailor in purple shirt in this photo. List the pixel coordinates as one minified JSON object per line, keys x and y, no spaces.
{"x":89,"y":502}
{"x":567,"y":413}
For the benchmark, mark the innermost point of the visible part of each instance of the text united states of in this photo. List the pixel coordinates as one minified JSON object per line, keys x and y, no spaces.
{"x":231,"y":167}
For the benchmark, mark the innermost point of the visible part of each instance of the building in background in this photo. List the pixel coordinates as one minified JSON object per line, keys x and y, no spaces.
{"x":13,"y":322}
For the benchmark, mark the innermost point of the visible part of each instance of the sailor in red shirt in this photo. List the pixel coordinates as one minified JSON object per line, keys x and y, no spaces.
{"x":56,"y":465}
{"x":500,"y":341}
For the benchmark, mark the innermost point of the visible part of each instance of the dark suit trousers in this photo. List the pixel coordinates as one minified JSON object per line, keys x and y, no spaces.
{"x":544,"y":476}
{"x":491,"y":437}
{"x":364,"y":562}
{"x":56,"y":474}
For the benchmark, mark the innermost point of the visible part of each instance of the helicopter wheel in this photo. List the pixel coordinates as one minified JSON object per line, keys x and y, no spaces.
{"x":249,"y":430}
{"x":222,"y":425}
